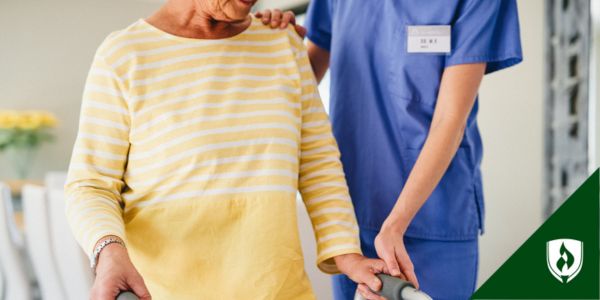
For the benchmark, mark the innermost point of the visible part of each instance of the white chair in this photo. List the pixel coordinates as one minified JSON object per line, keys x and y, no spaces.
{"x":2,"y":283}
{"x":71,"y":261}
{"x":16,"y":284}
{"x":38,"y":241}
{"x":15,"y":234}
{"x":73,"y":265}
{"x":55,"y":180}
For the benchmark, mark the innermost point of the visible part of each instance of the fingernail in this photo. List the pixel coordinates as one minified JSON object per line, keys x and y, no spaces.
{"x":376,"y":283}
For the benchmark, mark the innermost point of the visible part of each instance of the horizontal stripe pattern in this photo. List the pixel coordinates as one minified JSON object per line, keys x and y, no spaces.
{"x":172,"y":122}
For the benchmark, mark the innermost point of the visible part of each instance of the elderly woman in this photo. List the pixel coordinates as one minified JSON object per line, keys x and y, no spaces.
{"x":198,"y":127}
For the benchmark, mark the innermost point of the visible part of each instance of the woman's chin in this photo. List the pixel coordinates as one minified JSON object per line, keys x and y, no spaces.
{"x":242,"y":8}
{"x":246,"y":3}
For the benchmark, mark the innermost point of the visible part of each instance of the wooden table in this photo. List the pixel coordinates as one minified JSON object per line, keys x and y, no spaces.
{"x":19,"y":220}
{"x":16,"y":186}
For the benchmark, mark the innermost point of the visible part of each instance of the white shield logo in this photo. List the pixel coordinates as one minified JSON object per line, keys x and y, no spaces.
{"x":564,"y":258}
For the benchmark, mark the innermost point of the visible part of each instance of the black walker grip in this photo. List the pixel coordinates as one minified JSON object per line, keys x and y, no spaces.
{"x":392,"y":287}
{"x":127,"y":296}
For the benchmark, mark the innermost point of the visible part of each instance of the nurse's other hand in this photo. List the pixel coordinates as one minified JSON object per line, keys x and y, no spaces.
{"x":389,"y":244}
{"x":278,"y":19}
{"x":362,"y":270}
{"x":115,"y":273}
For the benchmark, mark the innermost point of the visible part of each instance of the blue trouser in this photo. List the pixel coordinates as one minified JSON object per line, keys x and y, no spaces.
{"x":445,"y":269}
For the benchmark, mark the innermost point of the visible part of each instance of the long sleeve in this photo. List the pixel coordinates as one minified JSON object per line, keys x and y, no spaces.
{"x":322,"y":182}
{"x":95,"y":179}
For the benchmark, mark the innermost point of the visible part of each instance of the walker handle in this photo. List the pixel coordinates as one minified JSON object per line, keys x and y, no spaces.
{"x":393,"y":288}
{"x":127,"y":296}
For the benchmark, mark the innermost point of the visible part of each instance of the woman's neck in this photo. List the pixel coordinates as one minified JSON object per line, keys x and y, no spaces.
{"x":188,"y":18}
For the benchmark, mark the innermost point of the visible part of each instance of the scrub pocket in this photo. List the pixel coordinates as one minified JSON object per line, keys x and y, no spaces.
{"x":452,"y":211}
{"x":413,"y":76}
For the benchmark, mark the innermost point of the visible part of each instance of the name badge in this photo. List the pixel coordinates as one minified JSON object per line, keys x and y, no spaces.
{"x":428,"y":39}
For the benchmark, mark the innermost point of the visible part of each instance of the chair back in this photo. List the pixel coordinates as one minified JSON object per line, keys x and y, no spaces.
{"x":73,"y":264}
{"x":39,"y":242}
{"x":2,"y":284}
{"x":55,"y":180}
{"x":17,"y":285}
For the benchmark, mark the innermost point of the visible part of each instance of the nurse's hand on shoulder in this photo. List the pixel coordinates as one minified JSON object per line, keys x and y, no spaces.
{"x":278,"y":19}
{"x":389,"y":244}
{"x":362,"y":270}
{"x":115,"y":274}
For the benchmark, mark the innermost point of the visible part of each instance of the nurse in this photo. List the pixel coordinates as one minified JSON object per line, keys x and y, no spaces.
{"x":404,"y":81}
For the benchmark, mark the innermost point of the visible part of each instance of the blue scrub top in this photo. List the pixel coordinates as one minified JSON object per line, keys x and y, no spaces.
{"x":383,"y":99}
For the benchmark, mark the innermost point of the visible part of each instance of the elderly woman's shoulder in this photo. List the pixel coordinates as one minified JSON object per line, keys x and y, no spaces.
{"x":120,"y":39}
{"x":288,"y":34}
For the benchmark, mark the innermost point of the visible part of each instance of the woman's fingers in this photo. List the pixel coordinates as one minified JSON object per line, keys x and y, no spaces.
{"x":300,"y":30}
{"x":389,"y":257}
{"x":287,"y":18}
{"x":378,"y":266}
{"x":367,"y":273}
{"x":276,"y":18}
{"x":265,"y":16}
{"x":105,"y":288}
{"x":103,"y":295}
{"x":407,"y":267}
{"x":367,"y":293}
{"x":138,"y":287}
{"x":372,"y":281}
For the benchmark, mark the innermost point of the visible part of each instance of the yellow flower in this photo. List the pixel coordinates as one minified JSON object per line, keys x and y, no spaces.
{"x":29,"y":121}
{"x":8,"y":119}
{"x":26,"y":120}
{"x":49,"y":120}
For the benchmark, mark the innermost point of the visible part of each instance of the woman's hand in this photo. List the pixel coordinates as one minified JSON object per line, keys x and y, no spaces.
{"x":362,"y":270}
{"x":276,"y":18}
{"x":115,"y":273}
{"x":389,"y":244}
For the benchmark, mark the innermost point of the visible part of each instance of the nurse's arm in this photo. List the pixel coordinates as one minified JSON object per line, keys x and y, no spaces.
{"x":319,"y":60}
{"x":456,"y":97}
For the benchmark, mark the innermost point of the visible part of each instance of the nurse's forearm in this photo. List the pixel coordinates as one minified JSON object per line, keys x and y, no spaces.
{"x":456,"y":97}
{"x":319,"y":60}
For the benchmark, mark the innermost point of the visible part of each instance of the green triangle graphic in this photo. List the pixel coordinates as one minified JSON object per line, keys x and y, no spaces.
{"x":534,"y":270}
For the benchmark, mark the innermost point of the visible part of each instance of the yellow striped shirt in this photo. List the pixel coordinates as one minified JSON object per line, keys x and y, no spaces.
{"x":193,"y":151}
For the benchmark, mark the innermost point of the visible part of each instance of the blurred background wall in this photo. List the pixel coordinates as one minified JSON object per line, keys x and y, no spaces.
{"x":46,"y":48}
{"x":511,"y":119}
{"x":595,"y":86}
